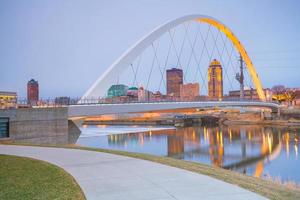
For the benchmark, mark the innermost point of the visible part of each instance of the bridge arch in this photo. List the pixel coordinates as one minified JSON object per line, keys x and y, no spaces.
{"x":99,"y":88}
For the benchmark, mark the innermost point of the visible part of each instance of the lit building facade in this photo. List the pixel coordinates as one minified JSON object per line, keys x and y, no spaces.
{"x":215,"y":80}
{"x":117,"y":90}
{"x":8,"y":100}
{"x":143,"y":95}
{"x":32,"y":92}
{"x":189,"y":91}
{"x":174,"y":80}
{"x":250,"y":94}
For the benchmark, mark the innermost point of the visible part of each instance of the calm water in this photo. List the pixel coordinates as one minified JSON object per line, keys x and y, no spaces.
{"x":253,"y":150}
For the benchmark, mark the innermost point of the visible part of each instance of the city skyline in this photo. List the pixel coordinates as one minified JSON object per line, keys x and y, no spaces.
{"x":150,"y":99}
{"x":46,"y":40}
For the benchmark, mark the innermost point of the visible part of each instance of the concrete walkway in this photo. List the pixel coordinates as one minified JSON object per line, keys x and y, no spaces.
{"x":107,"y":176}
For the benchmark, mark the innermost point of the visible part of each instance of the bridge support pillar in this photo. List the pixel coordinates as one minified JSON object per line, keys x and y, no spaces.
{"x":276,"y":113}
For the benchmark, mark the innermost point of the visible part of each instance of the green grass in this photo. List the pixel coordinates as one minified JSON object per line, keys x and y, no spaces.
{"x":26,"y":178}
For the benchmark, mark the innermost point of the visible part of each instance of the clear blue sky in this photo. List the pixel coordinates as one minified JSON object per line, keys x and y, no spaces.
{"x":67,"y":44}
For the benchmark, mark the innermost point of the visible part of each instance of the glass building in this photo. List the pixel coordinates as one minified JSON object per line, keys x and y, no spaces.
{"x":117,"y":90}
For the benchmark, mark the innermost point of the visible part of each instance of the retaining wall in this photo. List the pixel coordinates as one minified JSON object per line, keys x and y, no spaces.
{"x":40,"y":125}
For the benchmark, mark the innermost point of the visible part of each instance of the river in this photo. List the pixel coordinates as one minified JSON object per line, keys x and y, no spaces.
{"x":254,"y":150}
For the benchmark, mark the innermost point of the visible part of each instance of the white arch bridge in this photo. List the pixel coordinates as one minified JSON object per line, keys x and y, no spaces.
{"x":100,"y":87}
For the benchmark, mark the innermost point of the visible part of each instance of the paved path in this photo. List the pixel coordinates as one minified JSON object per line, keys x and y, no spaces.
{"x":107,"y":176}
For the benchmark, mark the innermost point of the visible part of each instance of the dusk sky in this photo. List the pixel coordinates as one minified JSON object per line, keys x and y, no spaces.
{"x":67,"y":44}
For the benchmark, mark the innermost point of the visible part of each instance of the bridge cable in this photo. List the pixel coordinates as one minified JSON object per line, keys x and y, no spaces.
{"x":158,"y":63}
{"x":235,"y":67}
{"x":166,"y":63}
{"x":207,"y":52}
{"x":135,"y":81}
{"x":221,"y":59}
{"x":134,"y":78}
{"x":192,"y":50}
{"x":182,"y":45}
{"x":248,"y":80}
{"x":230,"y":58}
{"x":199,"y":61}
{"x":195,"y":57}
{"x":152,"y":65}
{"x":175,"y":49}
{"x":209,"y":55}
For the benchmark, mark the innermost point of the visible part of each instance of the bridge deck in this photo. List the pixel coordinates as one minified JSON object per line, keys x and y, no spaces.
{"x":101,"y":109}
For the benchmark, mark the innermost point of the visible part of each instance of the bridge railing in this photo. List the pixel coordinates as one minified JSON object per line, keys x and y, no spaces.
{"x":67,"y":101}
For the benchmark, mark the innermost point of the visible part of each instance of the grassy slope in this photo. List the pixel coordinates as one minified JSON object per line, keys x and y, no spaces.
{"x":25,"y":178}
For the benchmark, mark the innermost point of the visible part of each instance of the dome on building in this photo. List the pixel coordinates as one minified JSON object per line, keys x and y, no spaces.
{"x":215,"y":62}
{"x":133,"y":88}
{"x":117,"y":90}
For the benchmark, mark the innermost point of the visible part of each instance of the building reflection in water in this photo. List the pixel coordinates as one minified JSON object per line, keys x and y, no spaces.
{"x":245,"y":149}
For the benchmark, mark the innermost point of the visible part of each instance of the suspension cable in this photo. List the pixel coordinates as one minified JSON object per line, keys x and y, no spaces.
{"x":182,"y":45}
{"x":193,"y":47}
{"x":221,"y":59}
{"x":175,"y":49}
{"x":166,"y":63}
{"x":198,"y":62}
{"x":158,"y":63}
{"x":152,"y":65}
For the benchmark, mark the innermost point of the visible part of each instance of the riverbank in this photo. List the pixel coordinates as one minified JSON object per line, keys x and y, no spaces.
{"x":279,"y":123}
{"x":26,"y":178}
{"x":267,"y":188}
{"x":288,"y":118}
{"x":225,"y":116}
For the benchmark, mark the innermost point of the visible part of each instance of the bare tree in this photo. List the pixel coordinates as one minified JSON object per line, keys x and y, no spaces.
{"x":290,"y":95}
{"x":278,"y":89}
{"x":278,"y":93}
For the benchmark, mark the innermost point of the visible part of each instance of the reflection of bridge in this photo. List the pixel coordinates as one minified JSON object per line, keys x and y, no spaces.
{"x":101,"y":109}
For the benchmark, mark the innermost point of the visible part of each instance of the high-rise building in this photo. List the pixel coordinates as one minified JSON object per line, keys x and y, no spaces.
{"x":32,"y":92}
{"x":215,"y":80}
{"x":189,"y":91}
{"x":174,"y":80}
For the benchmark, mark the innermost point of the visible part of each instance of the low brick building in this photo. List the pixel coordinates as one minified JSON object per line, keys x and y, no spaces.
{"x":189,"y":91}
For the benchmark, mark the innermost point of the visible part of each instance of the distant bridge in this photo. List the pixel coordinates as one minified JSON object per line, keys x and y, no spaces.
{"x":102,"y":109}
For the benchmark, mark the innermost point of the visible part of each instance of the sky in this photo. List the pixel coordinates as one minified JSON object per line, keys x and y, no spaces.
{"x":67,"y":44}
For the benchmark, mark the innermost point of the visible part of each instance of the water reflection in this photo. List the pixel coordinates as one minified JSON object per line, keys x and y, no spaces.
{"x":254,"y":150}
